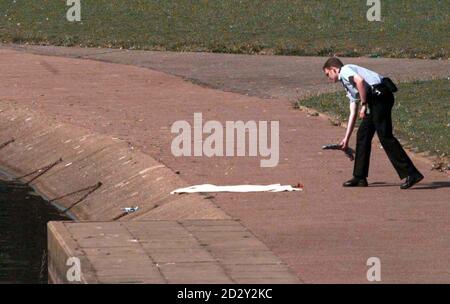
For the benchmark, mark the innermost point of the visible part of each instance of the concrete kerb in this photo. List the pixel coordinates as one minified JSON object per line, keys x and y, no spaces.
{"x":128,"y":177}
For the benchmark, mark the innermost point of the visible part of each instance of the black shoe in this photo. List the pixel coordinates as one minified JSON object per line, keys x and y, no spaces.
{"x":411,"y":181}
{"x":356,"y":182}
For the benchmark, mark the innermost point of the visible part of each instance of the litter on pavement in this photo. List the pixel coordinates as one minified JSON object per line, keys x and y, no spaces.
{"x":238,"y":188}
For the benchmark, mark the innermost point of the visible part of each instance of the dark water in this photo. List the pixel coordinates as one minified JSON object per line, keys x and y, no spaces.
{"x":23,"y":234}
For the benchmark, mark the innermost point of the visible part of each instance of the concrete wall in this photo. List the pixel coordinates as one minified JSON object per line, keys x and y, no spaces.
{"x":128,"y":178}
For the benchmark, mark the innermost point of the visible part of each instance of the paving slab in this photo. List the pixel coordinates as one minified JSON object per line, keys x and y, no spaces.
{"x":125,"y":254}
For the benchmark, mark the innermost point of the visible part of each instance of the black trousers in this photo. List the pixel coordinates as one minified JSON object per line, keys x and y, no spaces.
{"x":380,"y":120}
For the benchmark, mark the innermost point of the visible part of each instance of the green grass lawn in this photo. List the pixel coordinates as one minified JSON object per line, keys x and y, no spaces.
{"x":421,"y":113}
{"x":409,"y":28}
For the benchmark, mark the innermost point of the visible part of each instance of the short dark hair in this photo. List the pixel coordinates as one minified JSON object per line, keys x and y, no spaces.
{"x":333,"y":62}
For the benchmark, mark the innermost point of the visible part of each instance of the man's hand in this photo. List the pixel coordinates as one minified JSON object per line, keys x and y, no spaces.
{"x":344,"y":144}
{"x":362,"y":112}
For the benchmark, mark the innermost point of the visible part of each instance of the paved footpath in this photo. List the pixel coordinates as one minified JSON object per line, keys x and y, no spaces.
{"x":325,"y":234}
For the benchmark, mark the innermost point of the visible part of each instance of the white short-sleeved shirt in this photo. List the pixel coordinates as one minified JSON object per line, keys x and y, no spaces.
{"x":346,"y":75}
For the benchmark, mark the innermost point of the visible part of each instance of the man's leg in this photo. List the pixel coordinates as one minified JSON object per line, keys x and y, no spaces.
{"x":383,"y":124}
{"x":364,"y":137}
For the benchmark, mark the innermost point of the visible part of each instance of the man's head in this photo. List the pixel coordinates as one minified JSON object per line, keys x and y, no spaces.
{"x":332,"y":67}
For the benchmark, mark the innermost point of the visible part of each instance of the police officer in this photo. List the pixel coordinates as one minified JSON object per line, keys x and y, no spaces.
{"x":375,"y":93}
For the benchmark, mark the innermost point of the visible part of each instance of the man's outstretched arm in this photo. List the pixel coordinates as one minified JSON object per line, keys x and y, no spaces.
{"x":350,"y":125}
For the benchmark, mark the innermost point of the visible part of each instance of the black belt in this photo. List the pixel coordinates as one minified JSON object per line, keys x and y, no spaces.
{"x":378,"y":89}
{"x":386,"y":84}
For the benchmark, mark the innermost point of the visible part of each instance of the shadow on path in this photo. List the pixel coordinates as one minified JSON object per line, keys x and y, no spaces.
{"x":432,"y":185}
